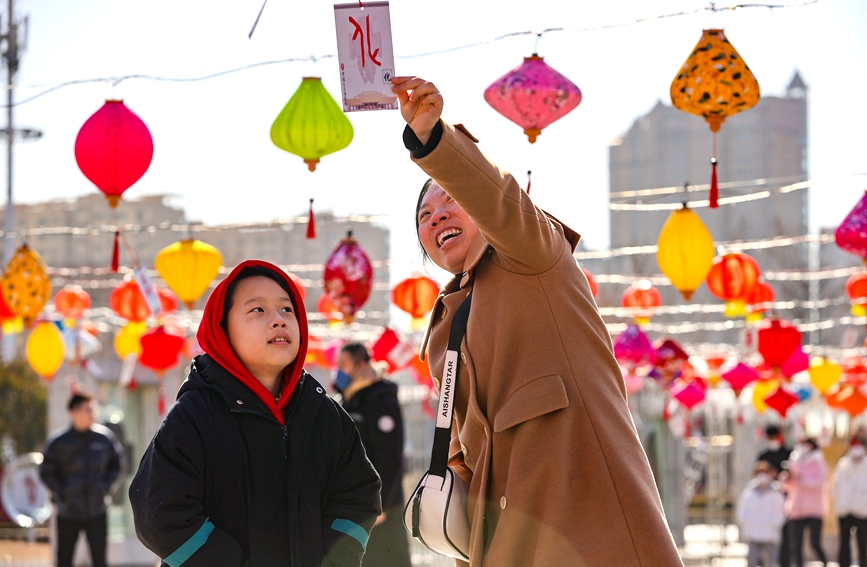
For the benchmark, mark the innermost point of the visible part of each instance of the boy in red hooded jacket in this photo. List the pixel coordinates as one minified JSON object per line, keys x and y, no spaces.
{"x":255,"y":465}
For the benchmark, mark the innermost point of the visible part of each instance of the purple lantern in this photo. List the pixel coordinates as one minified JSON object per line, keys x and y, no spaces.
{"x":533,"y":96}
{"x":851,"y":235}
{"x":632,"y":348}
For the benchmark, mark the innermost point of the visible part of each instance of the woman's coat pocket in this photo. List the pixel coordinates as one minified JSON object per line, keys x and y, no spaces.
{"x":542,"y":395}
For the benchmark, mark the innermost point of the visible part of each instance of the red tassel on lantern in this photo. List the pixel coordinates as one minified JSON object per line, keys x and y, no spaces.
{"x":311,"y":223}
{"x":529,"y":173}
{"x":115,"y":254}
{"x":714,"y":189}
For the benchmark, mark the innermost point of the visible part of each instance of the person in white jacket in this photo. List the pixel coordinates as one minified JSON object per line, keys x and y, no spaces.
{"x":849,"y":490}
{"x":761,"y":515}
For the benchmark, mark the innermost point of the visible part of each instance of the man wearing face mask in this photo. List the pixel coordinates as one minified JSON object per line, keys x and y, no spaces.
{"x":849,"y":490}
{"x":372,"y":403}
{"x":761,"y":515}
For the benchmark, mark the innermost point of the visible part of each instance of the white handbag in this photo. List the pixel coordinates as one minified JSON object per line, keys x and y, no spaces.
{"x":436,"y":514}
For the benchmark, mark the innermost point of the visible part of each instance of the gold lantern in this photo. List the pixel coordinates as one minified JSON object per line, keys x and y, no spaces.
{"x":188,"y":267}
{"x":45,"y":350}
{"x":685,"y":251}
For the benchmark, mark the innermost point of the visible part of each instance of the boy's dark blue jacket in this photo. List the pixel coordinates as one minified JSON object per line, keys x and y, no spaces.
{"x":235,"y":477}
{"x":216,"y":482}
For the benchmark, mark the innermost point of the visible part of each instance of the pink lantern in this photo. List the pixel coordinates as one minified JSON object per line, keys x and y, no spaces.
{"x":633,"y":382}
{"x":533,"y":96}
{"x":114,"y":149}
{"x":798,"y":361}
{"x":851,"y":235}
{"x":688,"y":395}
{"x":740,"y":376}
{"x":632,"y":348}
{"x":348,"y":277}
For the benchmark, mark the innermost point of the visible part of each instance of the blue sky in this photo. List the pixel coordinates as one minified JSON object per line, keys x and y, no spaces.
{"x":212,"y":148}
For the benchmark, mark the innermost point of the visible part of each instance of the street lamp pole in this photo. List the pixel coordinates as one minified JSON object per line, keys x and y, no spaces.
{"x":12,"y":58}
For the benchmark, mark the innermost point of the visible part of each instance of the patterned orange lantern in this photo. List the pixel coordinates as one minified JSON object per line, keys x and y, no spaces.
{"x":26,"y":285}
{"x":715,"y":83}
{"x":128,"y":301}
{"x":732,"y":278}
{"x":72,"y":302}
{"x":415,"y":295}
{"x":642,"y":299}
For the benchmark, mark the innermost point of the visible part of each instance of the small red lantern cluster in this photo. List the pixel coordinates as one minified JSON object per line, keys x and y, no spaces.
{"x":643,"y":299}
{"x":732,"y":278}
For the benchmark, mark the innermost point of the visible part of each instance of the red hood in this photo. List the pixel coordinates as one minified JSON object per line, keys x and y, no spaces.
{"x":215,"y":343}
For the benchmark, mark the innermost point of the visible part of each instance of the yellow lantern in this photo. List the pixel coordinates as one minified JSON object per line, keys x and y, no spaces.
{"x":188,"y":267}
{"x":311,"y":125}
{"x":26,"y":286}
{"x":45,"y":349}
{"x":715,"y":83}
{"x":127,"y":341}
{"x":761,"y":390}
{"x":685,"y":251}
{"x":824,"y":374}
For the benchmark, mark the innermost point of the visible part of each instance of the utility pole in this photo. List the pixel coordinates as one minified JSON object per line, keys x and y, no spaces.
{"x":12,"y":57}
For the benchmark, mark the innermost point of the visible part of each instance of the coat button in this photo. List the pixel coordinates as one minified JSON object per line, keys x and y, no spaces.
{"x":503,"y":503}
{"x":463,"y":357}
{"x":240,"y":402}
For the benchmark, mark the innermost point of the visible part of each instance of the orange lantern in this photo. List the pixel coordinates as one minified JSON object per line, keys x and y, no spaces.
{"x":128,"y":301}
{"x":326,"y":307}
{"x":856,"y":289}
{"x":415,"y":295}
{"x":642,"y":298}
{"x":591,"y":281}
{"x":732,"y":278}
{"x":759,"y":300}
{"x":72,"y":302}
{"x":852,"y":400}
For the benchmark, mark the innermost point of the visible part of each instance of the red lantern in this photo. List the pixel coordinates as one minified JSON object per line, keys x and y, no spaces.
{"x":760,"y":298}
{"x":6,"y":312}
{"x":168,"y":300}
{"x":533,"y":96}
{"x":854,"y":371}
{"x":348,"y":277}
{"x":856,"y":289}
{"x":781,"y":400}
{"x":160,"y":350}
{"x":114,"y":149}
{"x":594,"y":287}
{"x":642,"y":298}
{"x":740,"y":377}
{"x":688,"y":394}
{"x":852,"y":400}
{"x":415,"y":295}
{"x":732,"y":278}
{"x":72,"y":302}
{"x":128,"y":301}
{"x":851,"y":235}
{"x":778,"y":339}
{"x":326,"y":307}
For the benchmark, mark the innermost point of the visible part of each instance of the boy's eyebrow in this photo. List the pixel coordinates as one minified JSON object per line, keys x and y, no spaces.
{"x":283,"y":298}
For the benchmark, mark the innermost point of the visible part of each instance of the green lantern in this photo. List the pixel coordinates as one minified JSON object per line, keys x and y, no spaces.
{"x":311,"y":125}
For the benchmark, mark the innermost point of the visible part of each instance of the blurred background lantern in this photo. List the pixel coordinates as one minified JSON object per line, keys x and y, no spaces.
{"x":781,"y":400}
{"x":160,"y":350}
{"x":778,"y":339}
{"x":688,"y":394}
{"x":668,"y":358}
{"x":715,"y":83}
{"x":856,"y":289}
{"x":311,"y":125}
{"x":26,"y":285}
{"x":127,"y":341}
{"x":854,"y":371}
{"x":71,"y":302}
{"x":824,"y":374}
{"x":715,"y":361}
{"x":44,"y":349}
{"x":188,"y":267}
{"x":759,"y":299}
{"x":642,"y":299}
{"x":127,"y":301}
{"x":114,"y":149}
{"x":798,"y":361}
{"x":327,"y":308}
{"x":348,"y":277}
{"x":632,"y":348}
{"x":852,"y":400}
{"x":168,"y":301}
{"x":739,"y":377}
{"x":591,"y":281}
{"x":415,"y":295}
{"x":732,"y":278}
{"x":685,"y":251}
{"x":761,"y":390}
{"x":851,"y":235}
{"x":533,"y":95}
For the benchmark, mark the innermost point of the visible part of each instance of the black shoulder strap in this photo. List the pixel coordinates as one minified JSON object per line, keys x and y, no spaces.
{"x":448,"y":387}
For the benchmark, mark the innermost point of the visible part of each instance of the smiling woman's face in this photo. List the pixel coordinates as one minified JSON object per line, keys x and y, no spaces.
{"x":445,"y":230}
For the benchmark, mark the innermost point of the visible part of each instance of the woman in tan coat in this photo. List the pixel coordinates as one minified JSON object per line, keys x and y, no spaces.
{"x":543,"y":437}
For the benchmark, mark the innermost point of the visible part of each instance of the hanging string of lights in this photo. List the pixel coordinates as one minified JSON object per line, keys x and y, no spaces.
{"x":114,"y":81}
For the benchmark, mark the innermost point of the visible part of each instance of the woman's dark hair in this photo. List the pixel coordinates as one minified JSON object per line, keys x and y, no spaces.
{"x":251,"y":272}
{"x":425,"y":257}
{"x":357,"y":352}
{"x":811,"y":442}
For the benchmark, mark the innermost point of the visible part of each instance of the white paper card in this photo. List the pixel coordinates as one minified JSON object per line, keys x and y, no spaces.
{"x":365,"y":55}
{"x":147,"y":289}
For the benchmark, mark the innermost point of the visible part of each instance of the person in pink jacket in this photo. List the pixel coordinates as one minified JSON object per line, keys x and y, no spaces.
{"x":805,"y":502}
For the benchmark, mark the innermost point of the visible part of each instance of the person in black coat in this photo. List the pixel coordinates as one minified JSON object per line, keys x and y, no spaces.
{"x":255,"y":465}
{"x":372,"y":403}
{"x":81,"y":464}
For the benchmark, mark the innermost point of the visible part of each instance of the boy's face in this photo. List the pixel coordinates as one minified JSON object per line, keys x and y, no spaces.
{"x":262,"y":326}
